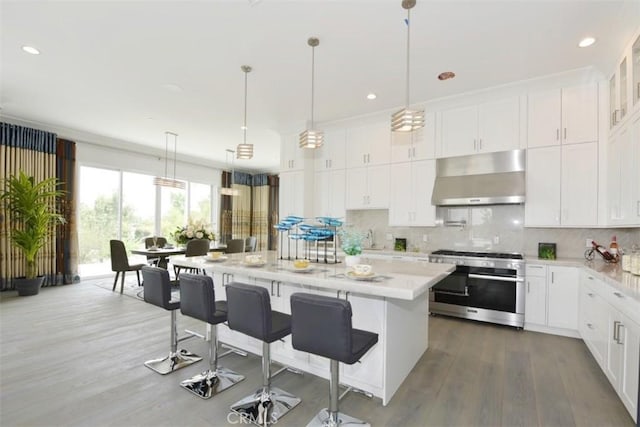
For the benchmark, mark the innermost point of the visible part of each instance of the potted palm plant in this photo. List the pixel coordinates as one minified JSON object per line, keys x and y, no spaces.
{"x":31,"y":209}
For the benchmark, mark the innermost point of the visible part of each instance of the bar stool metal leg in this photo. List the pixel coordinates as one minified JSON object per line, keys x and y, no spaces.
{"x":215,"y":379}
{"x":330,"y":417}
{"x":176,"y":359}
{"x":268,"y":404}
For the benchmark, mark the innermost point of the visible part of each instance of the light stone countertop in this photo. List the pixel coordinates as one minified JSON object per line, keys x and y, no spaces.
{"x":611,"y":273}
{"x":402,"y":280}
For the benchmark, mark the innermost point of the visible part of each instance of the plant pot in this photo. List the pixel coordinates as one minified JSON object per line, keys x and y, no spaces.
{"x":26,"y":287}
{"x":351,"y":260}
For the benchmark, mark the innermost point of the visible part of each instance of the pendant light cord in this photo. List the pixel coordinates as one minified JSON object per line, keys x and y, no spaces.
{"x":313,"y":51}
{"x":244,"y":127}
{"x":408,"y":44}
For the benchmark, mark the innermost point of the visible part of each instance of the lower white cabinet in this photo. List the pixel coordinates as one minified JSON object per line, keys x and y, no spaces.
{"x":612,"y":336}
{"x":551,"y":300}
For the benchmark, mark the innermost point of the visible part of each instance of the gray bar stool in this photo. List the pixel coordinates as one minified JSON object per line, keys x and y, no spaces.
{"x":157,"y":291}
{"x":322,"y":325}
{"x":197,"y":300}
{"x":249,"y":312}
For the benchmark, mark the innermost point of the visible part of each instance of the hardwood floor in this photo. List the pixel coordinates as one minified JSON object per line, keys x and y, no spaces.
{"x":74,"y":355}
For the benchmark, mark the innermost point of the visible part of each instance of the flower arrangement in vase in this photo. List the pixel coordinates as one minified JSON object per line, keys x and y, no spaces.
{"x":193,"y":230}
{"x":351,"y":243}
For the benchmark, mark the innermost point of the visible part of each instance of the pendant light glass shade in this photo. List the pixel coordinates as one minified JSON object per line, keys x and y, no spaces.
{"x":407,"y":120}
{"x":165,"y":181}
{"x":244,"y":150}
{"x":312,"y":138}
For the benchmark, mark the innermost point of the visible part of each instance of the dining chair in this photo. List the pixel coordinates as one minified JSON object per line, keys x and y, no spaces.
{"x":120,"y":263}
{"x":250,"y":244}
{"x":195,"y":247}
{"x":153,"y":260}
{"x":235,"y":246}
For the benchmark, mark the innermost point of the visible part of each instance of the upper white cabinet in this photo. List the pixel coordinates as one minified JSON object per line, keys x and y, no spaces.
{"x":623,"y":183}
{"x":292,"y":157}
{"x":563,"y":116}
{"x":416,"y":145}
{"x":368,"y":187}
{"x":329,"y":194}
{"x":292,"y":193}
{"x":624,"y":85}
{"x":488,"y":127}
{"x":410,"y":200}
{"x":368,"y":144}
{"x":562,"y":185}
{"x":332,"y":154}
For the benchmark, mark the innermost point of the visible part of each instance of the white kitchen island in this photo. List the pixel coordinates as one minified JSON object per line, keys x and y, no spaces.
{"x":394,"y":305}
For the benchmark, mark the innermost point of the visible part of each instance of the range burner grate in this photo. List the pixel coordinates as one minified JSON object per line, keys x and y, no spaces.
{"x":500,"y":255}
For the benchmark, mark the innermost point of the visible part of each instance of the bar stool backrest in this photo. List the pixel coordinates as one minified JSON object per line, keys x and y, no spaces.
{"x":235,"y":246}
{"x":249,"y":310}
{"x":321,"y":325}
{"x":198,"y":300}
{"x":157,"y":288}
{"x":197,"y":247}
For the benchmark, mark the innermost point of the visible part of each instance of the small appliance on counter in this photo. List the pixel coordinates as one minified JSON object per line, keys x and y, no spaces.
{"x":547,"y":250}
{"x":400,"y":245}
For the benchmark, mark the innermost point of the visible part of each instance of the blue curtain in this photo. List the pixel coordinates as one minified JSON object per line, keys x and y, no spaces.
{"x":30,"y":139}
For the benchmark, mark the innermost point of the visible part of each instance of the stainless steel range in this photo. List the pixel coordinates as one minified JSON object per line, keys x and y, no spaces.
{"x":485,"y":286}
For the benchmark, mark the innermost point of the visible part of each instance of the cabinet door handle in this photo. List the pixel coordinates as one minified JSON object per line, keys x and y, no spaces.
{"x":590,"y":326}
{"x":590,"y":294}
{"x":364,"y":158}
{"x":271,"y":292}
{"x":535,"y":266}
{"x":638,"y":90}
{"x":565,"y":134}
{"x":620,"y":325}
{"x":528,"y":287}
{"x":618,"y":294}
{"x":409,"y":152}
{"x":413,"y":152}
{"x":475,"y":147}
{"x":480,"y":144}
{"x":552,"y":277}
{"x":279,"y":283}
{"x":615,"y":330}
{"x":558,"y":134}
{"x":638,"y":208}
{"x":590,"y":277}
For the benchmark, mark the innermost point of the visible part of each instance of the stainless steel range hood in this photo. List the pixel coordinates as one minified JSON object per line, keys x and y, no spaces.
{"x":480,"y":179}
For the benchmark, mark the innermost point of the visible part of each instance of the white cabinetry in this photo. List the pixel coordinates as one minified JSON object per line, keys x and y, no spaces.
{"x":292,"y":193}
{"x":563,"y":116}
{"x":612,"y":334}
{"x":551,"y":303}
{"x":368,"y":187}
{"x":488,"y":127}
{"x":332,"y":154}
{"x":292,"y":157}
{"x":623,"y":184}
{"x":329,"y":194}
{"x":562,"y":185}
{"x":417,"y":145}
{"x":624,"y":86}
{"x":368,"y":144}
{"x":410,"y":200}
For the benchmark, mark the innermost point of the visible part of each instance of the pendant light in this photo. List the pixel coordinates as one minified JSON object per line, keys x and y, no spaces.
{"x":244,"y":150}
{"x":407,"y":120}
{"x":229,"y":191}
{"x":312,"y":138}
{"x":165,"y":181}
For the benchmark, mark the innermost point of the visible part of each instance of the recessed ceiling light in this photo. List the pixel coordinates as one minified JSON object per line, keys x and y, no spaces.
{"x":446,"y":75}
{"x":243,"y":128}
{"x":372,"y":96}
{"x":172,"y":87}
{"x":586,"y":42}
{"x":30,"y":49}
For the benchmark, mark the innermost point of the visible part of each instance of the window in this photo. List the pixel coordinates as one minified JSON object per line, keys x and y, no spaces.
{"x":173,"y":211}
{"x":138,"y":208}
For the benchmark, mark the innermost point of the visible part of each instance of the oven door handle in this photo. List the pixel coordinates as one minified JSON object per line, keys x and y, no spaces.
{"x":458,"y":294}
{"x":498,"y":278}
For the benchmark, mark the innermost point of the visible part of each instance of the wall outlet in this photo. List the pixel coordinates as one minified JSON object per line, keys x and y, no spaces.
{"x":496,"y":240}
{"x":425,"y":238}
{"x":587,"y":243}
{"x":389,"y":236}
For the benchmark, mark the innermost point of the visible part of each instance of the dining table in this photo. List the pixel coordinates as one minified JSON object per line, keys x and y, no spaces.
{"x":161,"y":253}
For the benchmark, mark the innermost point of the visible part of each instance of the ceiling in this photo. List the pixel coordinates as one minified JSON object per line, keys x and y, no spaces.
{"x":131,"y":70}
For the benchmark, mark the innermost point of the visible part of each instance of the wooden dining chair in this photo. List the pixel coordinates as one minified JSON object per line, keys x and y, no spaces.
{"x":120,"y":263}
{"x":195,"y":247}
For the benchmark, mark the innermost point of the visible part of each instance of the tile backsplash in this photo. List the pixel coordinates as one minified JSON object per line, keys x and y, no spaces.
{"x":487,"y":228}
